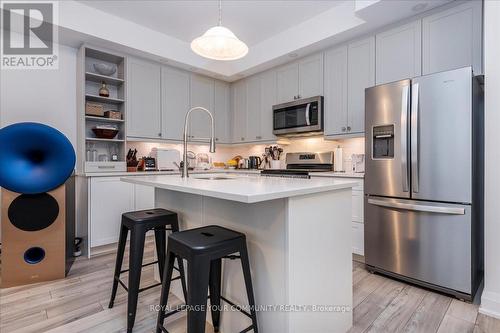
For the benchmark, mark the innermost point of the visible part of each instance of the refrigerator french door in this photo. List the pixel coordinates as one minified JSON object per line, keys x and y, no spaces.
{"x":422,"y":215}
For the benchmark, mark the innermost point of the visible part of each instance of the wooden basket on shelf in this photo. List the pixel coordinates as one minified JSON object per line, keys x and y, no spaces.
{"x":94,"y":109}
{"x":113,"y":114}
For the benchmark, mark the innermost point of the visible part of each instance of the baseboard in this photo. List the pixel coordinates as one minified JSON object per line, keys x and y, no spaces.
{"x":490,"y":304}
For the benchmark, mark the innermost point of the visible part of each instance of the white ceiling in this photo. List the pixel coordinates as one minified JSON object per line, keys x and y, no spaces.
{"x":275,"y":30}
{"x":252,"y":21}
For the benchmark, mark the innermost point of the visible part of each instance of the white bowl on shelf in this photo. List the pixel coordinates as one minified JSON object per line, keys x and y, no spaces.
{"x":105,"y":69}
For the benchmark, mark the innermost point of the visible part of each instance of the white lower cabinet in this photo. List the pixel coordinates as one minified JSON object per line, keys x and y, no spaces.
{"x":109,"y":198}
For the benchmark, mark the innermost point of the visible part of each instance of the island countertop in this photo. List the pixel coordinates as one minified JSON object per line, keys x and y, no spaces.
{"x":241,"y":188}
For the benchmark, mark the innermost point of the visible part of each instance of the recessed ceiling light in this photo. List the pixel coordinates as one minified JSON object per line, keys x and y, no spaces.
{"x":293,"y":55}
{"x":419,"y":7}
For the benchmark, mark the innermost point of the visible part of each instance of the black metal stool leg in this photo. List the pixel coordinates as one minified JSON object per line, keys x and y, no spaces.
{"x":160,"y":241}
{"x":165,"y":290}
{"x":198,"y":276}
{"x":215,"y":281}
{"x":182,"y":272}
{"x":137,"y":238}
{"x":119,"y":261}
{"x":180,"y":263}
{"x":245,"y":265}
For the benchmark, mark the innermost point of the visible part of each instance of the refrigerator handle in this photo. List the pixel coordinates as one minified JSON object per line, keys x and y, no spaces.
{"x":308,"y":116}
{"x":391,"y":203}
{"x":404,"y":136}
{"x":414,"y":137}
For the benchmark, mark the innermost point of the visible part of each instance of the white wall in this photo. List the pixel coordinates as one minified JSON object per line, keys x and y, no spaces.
{"x":490,"y":301}
{"x":45,"y":96}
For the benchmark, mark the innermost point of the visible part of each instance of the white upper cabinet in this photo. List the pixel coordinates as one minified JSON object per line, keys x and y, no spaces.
{"x":361,"y":75}
{"x":300,"y":79}
{"x":144,"y":99}
{"x":175,"y":102}
{"x":287,"y":83}
{"x":202,"y":94}
{"x":452,"y":39}
{"x":253,"y":109}
{"x":222,"y":107}
{"x":311,"y":76}
{"x":399,"y":53}
{"x":267,"y":100}
{"x":335,"y":108}
{"x":239,"y":105}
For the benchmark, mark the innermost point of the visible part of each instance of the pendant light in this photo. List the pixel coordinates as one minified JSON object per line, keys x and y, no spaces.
{"x":219,"y":43}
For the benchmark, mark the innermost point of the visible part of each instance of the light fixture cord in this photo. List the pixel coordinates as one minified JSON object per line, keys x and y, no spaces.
{"x":220,"y":12}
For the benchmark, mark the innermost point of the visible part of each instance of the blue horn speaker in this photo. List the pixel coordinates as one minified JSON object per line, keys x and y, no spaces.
{"x":38,"y":216}
{"x":34,"y":158}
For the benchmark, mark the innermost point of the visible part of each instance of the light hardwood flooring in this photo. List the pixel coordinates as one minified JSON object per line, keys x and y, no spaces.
{"x":79,"y":303}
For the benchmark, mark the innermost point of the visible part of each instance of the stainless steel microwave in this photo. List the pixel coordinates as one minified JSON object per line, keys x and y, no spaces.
{"x":303,"y":116}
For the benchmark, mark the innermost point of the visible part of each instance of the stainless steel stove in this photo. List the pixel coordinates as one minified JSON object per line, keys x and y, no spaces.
{"x":300,"y":165}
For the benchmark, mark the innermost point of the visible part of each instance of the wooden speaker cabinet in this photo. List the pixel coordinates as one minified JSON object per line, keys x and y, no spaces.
{"x":37,"y":236}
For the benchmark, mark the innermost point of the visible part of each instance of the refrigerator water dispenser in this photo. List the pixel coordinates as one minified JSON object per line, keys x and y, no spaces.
{"x":383,"y":142}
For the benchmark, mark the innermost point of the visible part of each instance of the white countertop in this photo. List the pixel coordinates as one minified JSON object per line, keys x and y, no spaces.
{"x":338,"y":174}
{"x":242,"y":171}
{"x":242,"y":188}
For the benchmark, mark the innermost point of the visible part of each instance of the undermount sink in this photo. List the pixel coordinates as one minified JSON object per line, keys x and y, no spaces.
{"x":213,"y":177}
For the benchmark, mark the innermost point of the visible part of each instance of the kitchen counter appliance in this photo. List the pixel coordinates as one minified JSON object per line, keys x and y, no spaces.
{"x":299,"y":165}
{"x":300,"y":117}
{"x":166,"y":159}
{"x":424,"y":181}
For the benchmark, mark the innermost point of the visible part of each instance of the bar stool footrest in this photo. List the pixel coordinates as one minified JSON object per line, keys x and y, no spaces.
{"x":145,"y":265}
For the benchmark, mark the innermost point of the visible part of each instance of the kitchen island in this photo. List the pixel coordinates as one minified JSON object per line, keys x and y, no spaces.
{"x":298,"y":235}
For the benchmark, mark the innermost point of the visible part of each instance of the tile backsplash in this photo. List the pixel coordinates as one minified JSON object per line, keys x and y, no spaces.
{"x":225,"y":152}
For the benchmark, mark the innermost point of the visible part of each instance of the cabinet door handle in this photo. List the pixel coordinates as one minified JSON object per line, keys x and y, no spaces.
{"x":258,"y":137}
{"x":298,"y":96}
{"x":216,"y":139}
{"x":242,"y":139}
{"x":348,"y":128}
{"x":343,"y":129}
{"x":159,"y":134}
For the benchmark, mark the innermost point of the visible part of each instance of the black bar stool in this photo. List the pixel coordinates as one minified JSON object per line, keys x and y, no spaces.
{"x":139,"y":223}
{"x":203,"y":248}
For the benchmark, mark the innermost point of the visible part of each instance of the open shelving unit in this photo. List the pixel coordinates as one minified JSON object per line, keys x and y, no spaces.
{"x":94,"y":153}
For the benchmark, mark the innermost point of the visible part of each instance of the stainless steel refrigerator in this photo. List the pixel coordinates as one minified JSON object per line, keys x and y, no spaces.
{"x":424,"y":181}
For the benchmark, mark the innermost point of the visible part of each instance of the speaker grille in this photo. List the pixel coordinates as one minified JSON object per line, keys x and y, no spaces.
{"x":33,"y":212}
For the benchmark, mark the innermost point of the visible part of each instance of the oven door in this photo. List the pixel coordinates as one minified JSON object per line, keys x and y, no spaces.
{"x":299,"y":116}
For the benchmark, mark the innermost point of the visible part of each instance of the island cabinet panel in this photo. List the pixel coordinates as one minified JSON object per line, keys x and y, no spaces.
{"x":399,"y":53}
{"x":221,"y":110}
{"x":335,"y":109}
{"x":239,"y":105}
{"x":253,"y":108}
{"x":175,"y":102}
{"x":361,"y":75}
{"x":202,"y":94}
{"x":453,"y":39}
{"x":144,"y":97}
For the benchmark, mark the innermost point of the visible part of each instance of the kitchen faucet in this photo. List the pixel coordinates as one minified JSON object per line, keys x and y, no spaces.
{"x":184,"y":171}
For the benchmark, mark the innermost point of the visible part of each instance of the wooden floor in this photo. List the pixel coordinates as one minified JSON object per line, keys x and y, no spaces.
{"x":79,"y":303}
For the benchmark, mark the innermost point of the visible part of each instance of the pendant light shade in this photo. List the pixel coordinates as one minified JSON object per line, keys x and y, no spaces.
{"x":219,"y":43}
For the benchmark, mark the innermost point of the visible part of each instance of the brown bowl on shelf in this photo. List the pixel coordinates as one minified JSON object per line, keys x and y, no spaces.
{"x":105,"y":133}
